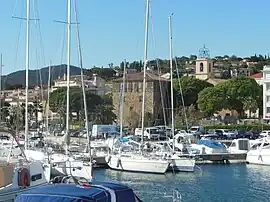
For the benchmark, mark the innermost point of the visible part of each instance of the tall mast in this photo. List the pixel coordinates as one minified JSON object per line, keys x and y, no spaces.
{"x":145,"y":64}
{"x":26,"y":72}
{"x":122,"y":100}
{"x":68,"y":72}
{"x":171,"y":68}
{"x":1,"y":65}
{"x":83,"y":85}
{"x":48,"y":101}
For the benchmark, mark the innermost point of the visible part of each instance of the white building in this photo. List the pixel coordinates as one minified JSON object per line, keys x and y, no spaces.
{"x":94,"y":84}
{"x":266,"y":92}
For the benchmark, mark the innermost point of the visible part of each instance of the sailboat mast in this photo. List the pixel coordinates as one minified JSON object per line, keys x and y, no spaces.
{"x":122,"y":100}
{"x":171,"y":72}
{"x":48,"y":101}
{"x":68,"y":72}
{"x":145,"y":64}
{"x":83,"y":85}
{"x":1,"y":65}
{"x":26,"y":72}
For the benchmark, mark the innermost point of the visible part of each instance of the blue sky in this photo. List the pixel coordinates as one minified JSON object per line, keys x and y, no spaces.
{"x":113,"y":30}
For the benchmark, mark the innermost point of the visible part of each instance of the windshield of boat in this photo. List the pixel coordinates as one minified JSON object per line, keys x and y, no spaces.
{"x":153,"y":131}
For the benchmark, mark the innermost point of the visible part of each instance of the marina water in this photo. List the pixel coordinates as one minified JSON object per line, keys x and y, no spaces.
{"x":215,"y":183}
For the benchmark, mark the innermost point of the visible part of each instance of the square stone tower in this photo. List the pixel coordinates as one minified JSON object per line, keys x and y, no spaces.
{"x":204,"y":65}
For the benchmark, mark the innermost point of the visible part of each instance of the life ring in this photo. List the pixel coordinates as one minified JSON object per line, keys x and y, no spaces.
{"x":23,"y":177}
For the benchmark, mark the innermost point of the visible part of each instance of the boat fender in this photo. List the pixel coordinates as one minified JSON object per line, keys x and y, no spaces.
{"x":109,"y":159}
{"x":23,"y":177}
{"x":118,"y":163}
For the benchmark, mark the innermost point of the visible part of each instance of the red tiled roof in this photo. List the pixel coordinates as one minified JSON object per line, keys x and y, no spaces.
{"x":256,"y":76}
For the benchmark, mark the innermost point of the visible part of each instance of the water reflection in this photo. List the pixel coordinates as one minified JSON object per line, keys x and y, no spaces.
{"x":235,"y":182}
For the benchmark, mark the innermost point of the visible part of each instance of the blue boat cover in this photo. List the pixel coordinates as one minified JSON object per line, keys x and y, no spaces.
{"x":123,"y":139}
{"x":211,"y":144}
{"x":97,"y":192}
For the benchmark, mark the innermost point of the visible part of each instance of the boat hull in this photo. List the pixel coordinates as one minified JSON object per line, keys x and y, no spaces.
{"x":72,"y":167}
{"x":258,"y":157}
{"x":182,"y":164}
{"x":137,"y":164}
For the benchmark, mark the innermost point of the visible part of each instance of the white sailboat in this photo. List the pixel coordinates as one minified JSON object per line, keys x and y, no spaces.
{"x":65,"y":164}
{"x":178,"y":163}
{"x":22,"y":175}
{"x":259,"y":153}
{"x":131,"y":161}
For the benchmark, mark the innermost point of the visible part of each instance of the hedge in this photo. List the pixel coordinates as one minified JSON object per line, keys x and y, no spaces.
{"x":255,"y":127}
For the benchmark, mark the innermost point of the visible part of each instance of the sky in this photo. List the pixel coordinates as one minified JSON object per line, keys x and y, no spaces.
{"x":113,"y":30}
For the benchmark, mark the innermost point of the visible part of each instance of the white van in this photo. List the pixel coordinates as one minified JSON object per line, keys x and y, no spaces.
{"x":149,"y":132}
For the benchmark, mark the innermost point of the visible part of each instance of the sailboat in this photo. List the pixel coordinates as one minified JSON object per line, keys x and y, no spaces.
{"x":138,"y":162}
{"x":178,"y":163}
{"x":22,"y":175}
{"x":63,"y":163}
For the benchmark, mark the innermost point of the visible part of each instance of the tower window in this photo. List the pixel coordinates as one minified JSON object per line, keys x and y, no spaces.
{"x":201,"y":67}
{"x":209,"y":67}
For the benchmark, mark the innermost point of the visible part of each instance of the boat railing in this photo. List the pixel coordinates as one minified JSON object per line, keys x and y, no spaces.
{"x":176,"y":196}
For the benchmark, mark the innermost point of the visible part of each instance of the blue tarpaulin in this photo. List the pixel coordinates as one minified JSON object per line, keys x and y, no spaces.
{"x":123,"y":139}
{"x":96,"y":192}
{"x":211,"y":144}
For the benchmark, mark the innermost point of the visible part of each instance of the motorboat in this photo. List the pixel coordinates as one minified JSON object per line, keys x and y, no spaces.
{"x":207,"y":147}
{"x":239,"y":146}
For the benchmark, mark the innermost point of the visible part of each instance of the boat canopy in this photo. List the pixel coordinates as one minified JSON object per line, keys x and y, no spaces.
{"x":211,"y":144}
{"x":96,"y":192}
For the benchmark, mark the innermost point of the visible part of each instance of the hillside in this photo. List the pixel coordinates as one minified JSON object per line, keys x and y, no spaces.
{"x":18,"y":78}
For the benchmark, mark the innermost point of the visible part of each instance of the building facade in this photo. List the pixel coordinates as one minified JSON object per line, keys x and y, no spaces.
{"x":94,"y":84}
{"x":266,"y":93}
{"x":156,"y":97}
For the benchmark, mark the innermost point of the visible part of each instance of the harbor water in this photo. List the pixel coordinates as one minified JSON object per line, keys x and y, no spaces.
{"x":210,"y":183}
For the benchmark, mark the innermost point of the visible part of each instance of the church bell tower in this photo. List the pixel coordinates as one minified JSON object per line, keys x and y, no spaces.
{"x":204,"y":65}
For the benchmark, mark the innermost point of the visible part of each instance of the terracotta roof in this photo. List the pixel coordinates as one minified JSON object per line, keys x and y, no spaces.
{"x":150,"y":76}
{"x":256,"y":76}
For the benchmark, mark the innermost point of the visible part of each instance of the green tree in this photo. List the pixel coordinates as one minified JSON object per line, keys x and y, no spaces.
{"x":239,"y":89}
{"x":211,"y":100}
{"x":239,"y":93}
{"x":191,"y":88}
{"x":95,"y":104}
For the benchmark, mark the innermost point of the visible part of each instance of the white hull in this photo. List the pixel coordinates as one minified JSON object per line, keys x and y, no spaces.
{"x":261,"y":157}
{"x":137,"y":163}
{"x":182,"y":164}
{"x":63,"y":165}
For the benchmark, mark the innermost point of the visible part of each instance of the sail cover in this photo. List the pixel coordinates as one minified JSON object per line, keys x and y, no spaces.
{"x":96,"y":192}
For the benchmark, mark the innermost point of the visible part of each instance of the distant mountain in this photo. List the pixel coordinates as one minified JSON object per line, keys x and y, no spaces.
{"x":18,"y":78}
